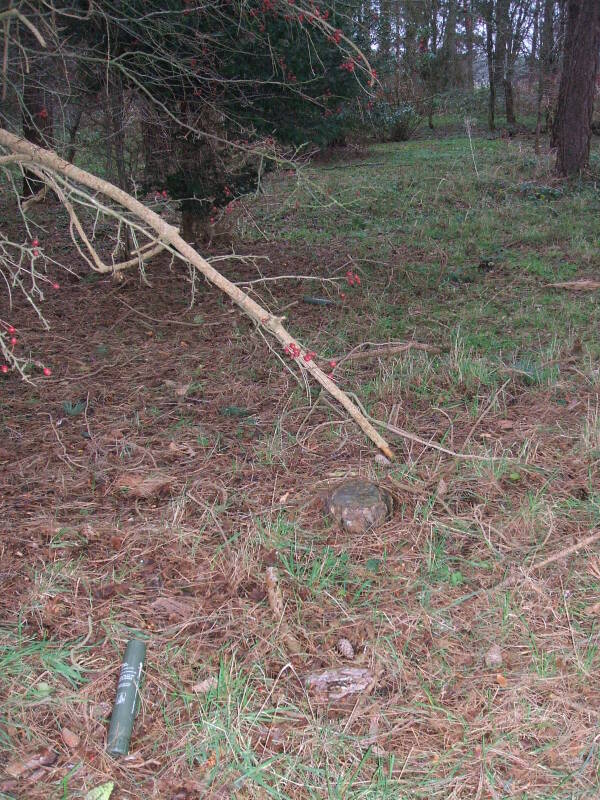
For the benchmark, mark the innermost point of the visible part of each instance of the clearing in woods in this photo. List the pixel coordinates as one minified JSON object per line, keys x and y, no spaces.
{"x":172,"y":458}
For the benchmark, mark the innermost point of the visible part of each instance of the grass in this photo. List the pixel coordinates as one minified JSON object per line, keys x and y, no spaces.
{"x":447,"y":257}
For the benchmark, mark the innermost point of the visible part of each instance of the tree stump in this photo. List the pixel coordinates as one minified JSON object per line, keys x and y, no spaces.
{"x":358,"y":505}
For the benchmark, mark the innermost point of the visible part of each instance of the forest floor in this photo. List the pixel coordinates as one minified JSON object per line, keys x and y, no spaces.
{"x":172,"y":457}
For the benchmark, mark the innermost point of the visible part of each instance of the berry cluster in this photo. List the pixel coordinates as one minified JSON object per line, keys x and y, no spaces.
{"x":352,"y":278}
{"x":292,"y":350}
{"x":10,"y":331}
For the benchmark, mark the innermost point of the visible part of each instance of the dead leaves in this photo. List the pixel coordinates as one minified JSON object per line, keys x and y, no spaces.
{"x":505,"y":424}
{"x":71,"y":739}
{"x":175,"y":609}
{"x":179,"y":389}
{"x":143,"y":486}
{"x":33,"y":763}
{"x":335,"y":684}
{"x":206,"y":685}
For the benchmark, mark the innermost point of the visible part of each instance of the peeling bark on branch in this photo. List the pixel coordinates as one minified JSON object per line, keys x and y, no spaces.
{"x":31,"y":156}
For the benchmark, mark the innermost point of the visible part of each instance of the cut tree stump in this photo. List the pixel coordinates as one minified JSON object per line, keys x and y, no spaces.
{"x":358,"y":504}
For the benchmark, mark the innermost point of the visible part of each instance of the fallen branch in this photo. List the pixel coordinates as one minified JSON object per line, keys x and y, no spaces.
{"x":31,"y":156}
{"x":389,"y":350}
{"x":581,"y":285}
{"x":38,"y":197}
{"x":594,"y":537}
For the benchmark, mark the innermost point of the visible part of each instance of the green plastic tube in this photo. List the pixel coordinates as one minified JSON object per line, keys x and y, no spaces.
{"x":126,"y":701}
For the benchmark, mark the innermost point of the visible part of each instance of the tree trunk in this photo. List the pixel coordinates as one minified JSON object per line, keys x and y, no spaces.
{"x":577,"y":86}
{"x":397,"y":51}
{"x":451,"y":77}
{"x":385,"y":29}
{"x":470,"y":59}
{"x":116,"y":110}
{"x":115,"y":105}
{"x":489,"y":51}
{"x":535,"y":33}
{"x":73,"y":128}
{"x":546,"y":67}
{"x":37,"y":121}
{"x":502,"y":36}
{"x":509,"y":98}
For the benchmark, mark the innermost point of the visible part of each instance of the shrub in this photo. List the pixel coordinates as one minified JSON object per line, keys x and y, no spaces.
{"x":393,"y":123}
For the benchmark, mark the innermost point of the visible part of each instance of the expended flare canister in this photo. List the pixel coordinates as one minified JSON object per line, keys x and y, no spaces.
{"x":126,"y":701}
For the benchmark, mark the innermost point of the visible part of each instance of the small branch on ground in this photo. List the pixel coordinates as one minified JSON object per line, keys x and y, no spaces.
{"x":387,"y":350}
{"x":167,"y":235}
{"x":582,"y":285}
{"x":275,"y":596}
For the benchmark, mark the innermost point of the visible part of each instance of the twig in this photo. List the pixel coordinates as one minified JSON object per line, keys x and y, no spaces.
{"x":388,"y":350}
{"x":594,"y":537}
{"x":581,"y":285}
{"x":433,"y":445}
{"x":277,"y":607}
{"x":485,"y":411}
{"x":285,"y":278}
{"x":468,"y":128}
{"x":38,"y":197}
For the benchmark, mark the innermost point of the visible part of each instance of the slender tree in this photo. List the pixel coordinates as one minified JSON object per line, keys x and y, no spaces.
{"x":469,"y":44}
{"x":577,"y":86}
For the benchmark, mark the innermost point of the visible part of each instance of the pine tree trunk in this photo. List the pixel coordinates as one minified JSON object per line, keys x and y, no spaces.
{"x":470,"y":60}
{"x":577,"y":85}
{"x":451,"y":77}
{"x":501,"y":50}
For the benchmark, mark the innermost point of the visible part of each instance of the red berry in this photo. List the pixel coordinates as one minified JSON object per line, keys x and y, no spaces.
{"x":333,"y":364}
{"x":4,"y":369}
{"x":35,"y":243}
{"x":13,"y":341}
{"x":357,"y":279}
{"x":343,"y":295}
{"x":36,"y":252}
{"x":47,"y":371}
{"x":11,"y":329}
{"x":56,"y":285}
{"x":164,"y":193}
